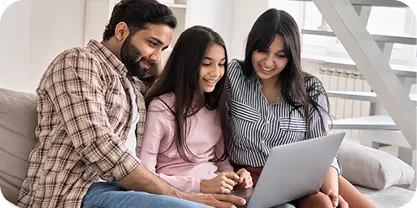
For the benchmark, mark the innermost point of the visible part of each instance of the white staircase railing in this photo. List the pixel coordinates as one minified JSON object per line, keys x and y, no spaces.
{"x":372,"y":63}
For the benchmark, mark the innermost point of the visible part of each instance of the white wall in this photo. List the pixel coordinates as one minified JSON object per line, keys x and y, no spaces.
{"x":97,"y":16}
{"x":32,"y":33}
{"x":244,"y":12}
{"x":295,"y":8}
{"x":59,"y":25}
{"x":15,"y":45}
{"x":216,"y":14}
{"x":232,"y":19}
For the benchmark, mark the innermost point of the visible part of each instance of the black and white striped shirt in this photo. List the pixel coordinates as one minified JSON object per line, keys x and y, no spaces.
{"x":259,"y":126}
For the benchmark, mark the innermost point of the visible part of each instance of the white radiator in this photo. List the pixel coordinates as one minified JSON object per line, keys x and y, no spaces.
{"x":337,"y":79}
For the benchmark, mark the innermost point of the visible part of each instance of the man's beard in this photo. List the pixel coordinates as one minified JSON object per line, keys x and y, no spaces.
{"x":129,"y":55}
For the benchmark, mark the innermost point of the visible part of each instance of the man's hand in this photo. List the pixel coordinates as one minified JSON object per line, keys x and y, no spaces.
{"x":141,"y":179}
{"x":223,"y":183}
{"x":216,"y":200}
{"x":245,"y":179}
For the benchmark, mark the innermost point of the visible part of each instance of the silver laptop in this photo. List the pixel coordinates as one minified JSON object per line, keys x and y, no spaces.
{"x":293,"y":171}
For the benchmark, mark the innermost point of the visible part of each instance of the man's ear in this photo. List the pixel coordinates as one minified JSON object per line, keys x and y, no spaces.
{"x":121,"y":32}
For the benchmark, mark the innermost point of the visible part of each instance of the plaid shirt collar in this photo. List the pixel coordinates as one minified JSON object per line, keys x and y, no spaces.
{"x":101,"y":50}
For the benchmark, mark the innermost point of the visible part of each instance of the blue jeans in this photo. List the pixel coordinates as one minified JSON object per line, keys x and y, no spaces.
{"x":110,"y":195}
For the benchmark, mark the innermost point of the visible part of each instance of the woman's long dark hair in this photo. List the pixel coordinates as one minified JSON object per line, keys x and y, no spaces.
{"x":292,"y":79}
{"x":181,"y":76}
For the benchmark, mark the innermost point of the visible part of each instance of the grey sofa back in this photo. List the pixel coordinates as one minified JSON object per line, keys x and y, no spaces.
{"x":18,"y":119}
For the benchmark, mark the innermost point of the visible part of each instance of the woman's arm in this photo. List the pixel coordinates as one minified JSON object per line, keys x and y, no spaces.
{"x":154,"y":133}
{"x":331,"y":182}
{"x":319,"y":127}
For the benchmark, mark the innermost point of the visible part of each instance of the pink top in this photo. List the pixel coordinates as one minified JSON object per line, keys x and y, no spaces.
{"x":204,"y":139}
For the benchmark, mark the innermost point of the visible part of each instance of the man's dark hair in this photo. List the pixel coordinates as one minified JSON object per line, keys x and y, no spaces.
{"x":137,"y":14}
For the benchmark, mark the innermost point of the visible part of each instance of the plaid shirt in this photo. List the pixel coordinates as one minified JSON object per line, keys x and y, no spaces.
{"x":84,"y":116}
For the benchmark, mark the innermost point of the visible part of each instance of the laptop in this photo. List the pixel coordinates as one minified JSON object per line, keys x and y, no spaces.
{"x":293,"y":171}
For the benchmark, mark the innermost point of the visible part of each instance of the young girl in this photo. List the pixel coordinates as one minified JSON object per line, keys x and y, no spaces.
{"x":186,"y":125}
{"x":273,"y":102}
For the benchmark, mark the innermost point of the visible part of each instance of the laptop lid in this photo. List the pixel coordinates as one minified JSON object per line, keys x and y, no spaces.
{"x":295,"y":170}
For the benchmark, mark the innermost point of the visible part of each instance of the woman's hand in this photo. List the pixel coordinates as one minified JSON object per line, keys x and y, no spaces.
{"x":343,"y":203}
{"x":245,"y":179}
{"x":330,"y":186}
{"x":337,"y":200}
{"x":223,"y":183}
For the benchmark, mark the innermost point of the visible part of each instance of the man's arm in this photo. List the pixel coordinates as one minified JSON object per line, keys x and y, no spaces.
{"x":75,"y":89}
{"x":141,"y":179}
{"x":77,"y":92}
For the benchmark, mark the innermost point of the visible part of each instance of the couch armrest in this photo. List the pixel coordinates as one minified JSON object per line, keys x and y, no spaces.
{"x":18,"y":119}
{"x":373,"y":168}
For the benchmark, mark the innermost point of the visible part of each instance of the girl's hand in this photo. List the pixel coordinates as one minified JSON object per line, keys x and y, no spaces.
{"x":245,"y":179}
{"x":223,"y":183}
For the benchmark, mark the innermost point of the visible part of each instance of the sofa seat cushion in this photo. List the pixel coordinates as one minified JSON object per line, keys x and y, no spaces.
{"x":373,"y":168}
{"x":18,"y":119}
{"x":388,"y":198}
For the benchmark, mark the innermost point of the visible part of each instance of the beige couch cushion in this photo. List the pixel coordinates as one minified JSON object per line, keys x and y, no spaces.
{"x":18,"y":119}
{"x":373,"y":168}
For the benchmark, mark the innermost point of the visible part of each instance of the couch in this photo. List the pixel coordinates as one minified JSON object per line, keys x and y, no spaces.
{"x":376,"y":174}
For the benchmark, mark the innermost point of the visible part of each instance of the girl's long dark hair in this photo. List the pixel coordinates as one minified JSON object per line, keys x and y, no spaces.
{"x":181,"y":76}
{"x":292,"y":79}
